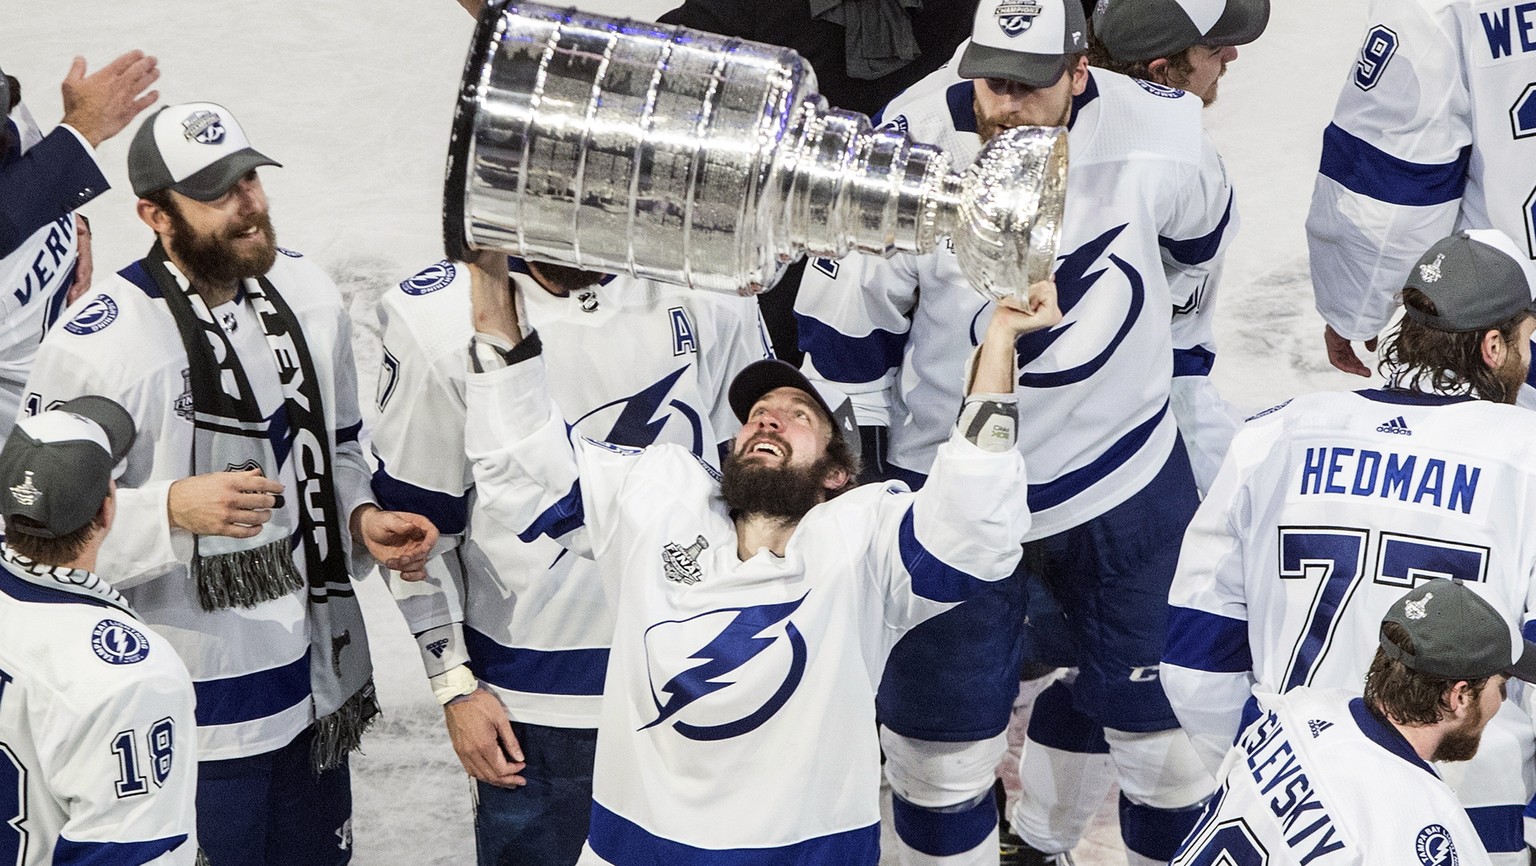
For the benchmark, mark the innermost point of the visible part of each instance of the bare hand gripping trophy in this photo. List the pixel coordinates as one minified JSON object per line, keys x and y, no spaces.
{"x":623,"y":146}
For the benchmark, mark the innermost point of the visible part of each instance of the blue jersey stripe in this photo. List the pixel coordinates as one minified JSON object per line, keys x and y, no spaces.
{"x":1366,"y":169}
{"x":1195,"y":361}
{"x":248,"y":697}
{"x":68,"y":852}
{"x":1499,"y":827}
{"x":449,"y":513}
{"x":546,"y":672}
{"x":1152,"y":833}
{"x":25,"y":590}
{"x":565,"y":516}
{"x":139,"y":276}
{"x":1385,"y":736}
{"x":349,"y":434}
{"x":625,"y":843}
{"x":1198,"y":251}
{"x":842,"y":358}
{"x":943,"y":834}
{"x":961,"y":98}
{"x":932,"y":578}
{"x":1053,"y":493}
{"x":1204,"y":641}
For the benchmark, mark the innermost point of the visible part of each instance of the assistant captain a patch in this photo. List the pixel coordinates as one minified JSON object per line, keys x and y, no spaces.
{"x":118,"y":643}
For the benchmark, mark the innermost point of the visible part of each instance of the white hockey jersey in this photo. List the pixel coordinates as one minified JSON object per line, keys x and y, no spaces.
{"x":633,"y":362}
{"x":1435,"y":131}
{"x":98,"y":760}
{"x":1148,"y":209}
{"x":738,"y":717}
{"x":1327,"y":510}
{"x":36,"y":276}
{"x":1315,"y":779}
{"x":250,"y":666}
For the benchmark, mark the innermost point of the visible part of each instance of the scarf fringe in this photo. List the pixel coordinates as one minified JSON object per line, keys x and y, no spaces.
{"x":341,"y":732}
{"x":246,"y":578}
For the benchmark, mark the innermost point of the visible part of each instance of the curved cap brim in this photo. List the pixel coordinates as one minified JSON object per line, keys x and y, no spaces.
{"x":1242,"y":22}
{"x":1035,"y":70}
{"x":216,"y":179}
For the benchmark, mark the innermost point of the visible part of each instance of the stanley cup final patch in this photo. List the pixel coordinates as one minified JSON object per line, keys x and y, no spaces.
{"x":1015,"y":18}
{"x":681,"y":564}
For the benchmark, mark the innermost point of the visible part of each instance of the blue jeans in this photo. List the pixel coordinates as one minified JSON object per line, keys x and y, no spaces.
{"x":272,"y":810}
{"x":543,"y":823}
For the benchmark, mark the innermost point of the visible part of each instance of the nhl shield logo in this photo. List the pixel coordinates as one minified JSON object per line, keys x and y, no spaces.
{"x":203,"y":127}
{"x":1016,"y":18}
{"x":681,"y":564}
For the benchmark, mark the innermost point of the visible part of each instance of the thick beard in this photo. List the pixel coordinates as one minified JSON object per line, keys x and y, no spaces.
{"x":1460,"y":743}
{"x":1511,"y":375}
{"x":987,"y":126}
{"x":780,"y":492}
{"x":211,"y":259}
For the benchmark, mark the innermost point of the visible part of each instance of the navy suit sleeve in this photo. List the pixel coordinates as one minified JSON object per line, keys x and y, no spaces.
{"x":54,"y":177}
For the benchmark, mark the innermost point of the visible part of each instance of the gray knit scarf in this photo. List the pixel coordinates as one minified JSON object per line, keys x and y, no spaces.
{"x":230,"y":433}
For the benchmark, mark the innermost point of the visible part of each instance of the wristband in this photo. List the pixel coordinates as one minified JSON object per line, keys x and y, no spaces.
{"x":455,"y":683}
{"x":990,"y":422}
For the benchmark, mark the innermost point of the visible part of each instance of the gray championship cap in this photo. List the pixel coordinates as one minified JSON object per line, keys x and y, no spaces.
{"x":761,"y":377}
{"x":56,"y":467}
{"x":197,"y":149}
{"x":1027,"y":41}
{"x":1458,"y":635}
{"x":1476,"y":278}
{"x":1136,"y":30}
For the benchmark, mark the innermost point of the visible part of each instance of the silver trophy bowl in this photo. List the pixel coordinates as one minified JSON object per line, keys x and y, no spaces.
{"x":623,"y":146}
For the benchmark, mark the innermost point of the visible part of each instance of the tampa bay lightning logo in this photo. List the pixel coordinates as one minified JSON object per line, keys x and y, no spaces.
{"x":117,"y":643}
{"x":640,"y":419}
{"x":1156,"y":89}
{"x":1094,"y":323}
{"x":203,"y":127}
{"x":432,"y":278}
{"x":724,"y":673}
{"x":98,"y":313}
{"x":1016,"y":18}
{"x":1435,"y":848}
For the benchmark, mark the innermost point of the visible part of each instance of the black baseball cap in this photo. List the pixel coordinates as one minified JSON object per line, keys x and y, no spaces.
{"x":1136,"y":30}
{"x":1458,"y":635}
{"x":196,"y":148}
{"x":1476,"y":278}
{"x":56,"y":466}
{"x":761,"y":377}
{"x":1027,"y":41}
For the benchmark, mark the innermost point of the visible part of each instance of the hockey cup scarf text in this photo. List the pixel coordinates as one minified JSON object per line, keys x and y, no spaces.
{"x":230,"y":434}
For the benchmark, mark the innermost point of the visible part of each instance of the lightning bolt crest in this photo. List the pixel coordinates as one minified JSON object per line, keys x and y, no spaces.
{"x":736,"y":644}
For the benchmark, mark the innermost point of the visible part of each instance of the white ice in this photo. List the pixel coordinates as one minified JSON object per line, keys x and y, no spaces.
{"x":355,"y":98}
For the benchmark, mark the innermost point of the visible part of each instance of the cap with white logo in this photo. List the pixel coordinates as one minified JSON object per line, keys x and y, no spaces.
{"x":1137,"y":30}
{"x":1457,"y":634}
{"x":1476,"y":279}
{"x":1027,"y":41}
{"x":56,"y":467}
{"x":197,"y":149}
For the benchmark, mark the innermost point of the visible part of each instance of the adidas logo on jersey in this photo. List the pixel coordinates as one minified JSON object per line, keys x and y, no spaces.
{"x":1317,"y":726}
{"x":1395,"y":425}
{"x":437,"y":647}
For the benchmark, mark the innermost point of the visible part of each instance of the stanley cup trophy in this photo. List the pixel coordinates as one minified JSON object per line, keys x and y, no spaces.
{"x":629,"y":147}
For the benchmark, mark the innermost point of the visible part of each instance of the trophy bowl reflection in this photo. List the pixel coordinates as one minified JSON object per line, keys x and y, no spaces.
{"x":624,"y":146}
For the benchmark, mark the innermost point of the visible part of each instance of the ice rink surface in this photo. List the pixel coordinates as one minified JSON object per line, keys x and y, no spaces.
{"x":355,"y":100}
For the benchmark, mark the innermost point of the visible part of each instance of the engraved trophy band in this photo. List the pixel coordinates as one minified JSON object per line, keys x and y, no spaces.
{"x":623,"y":146}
